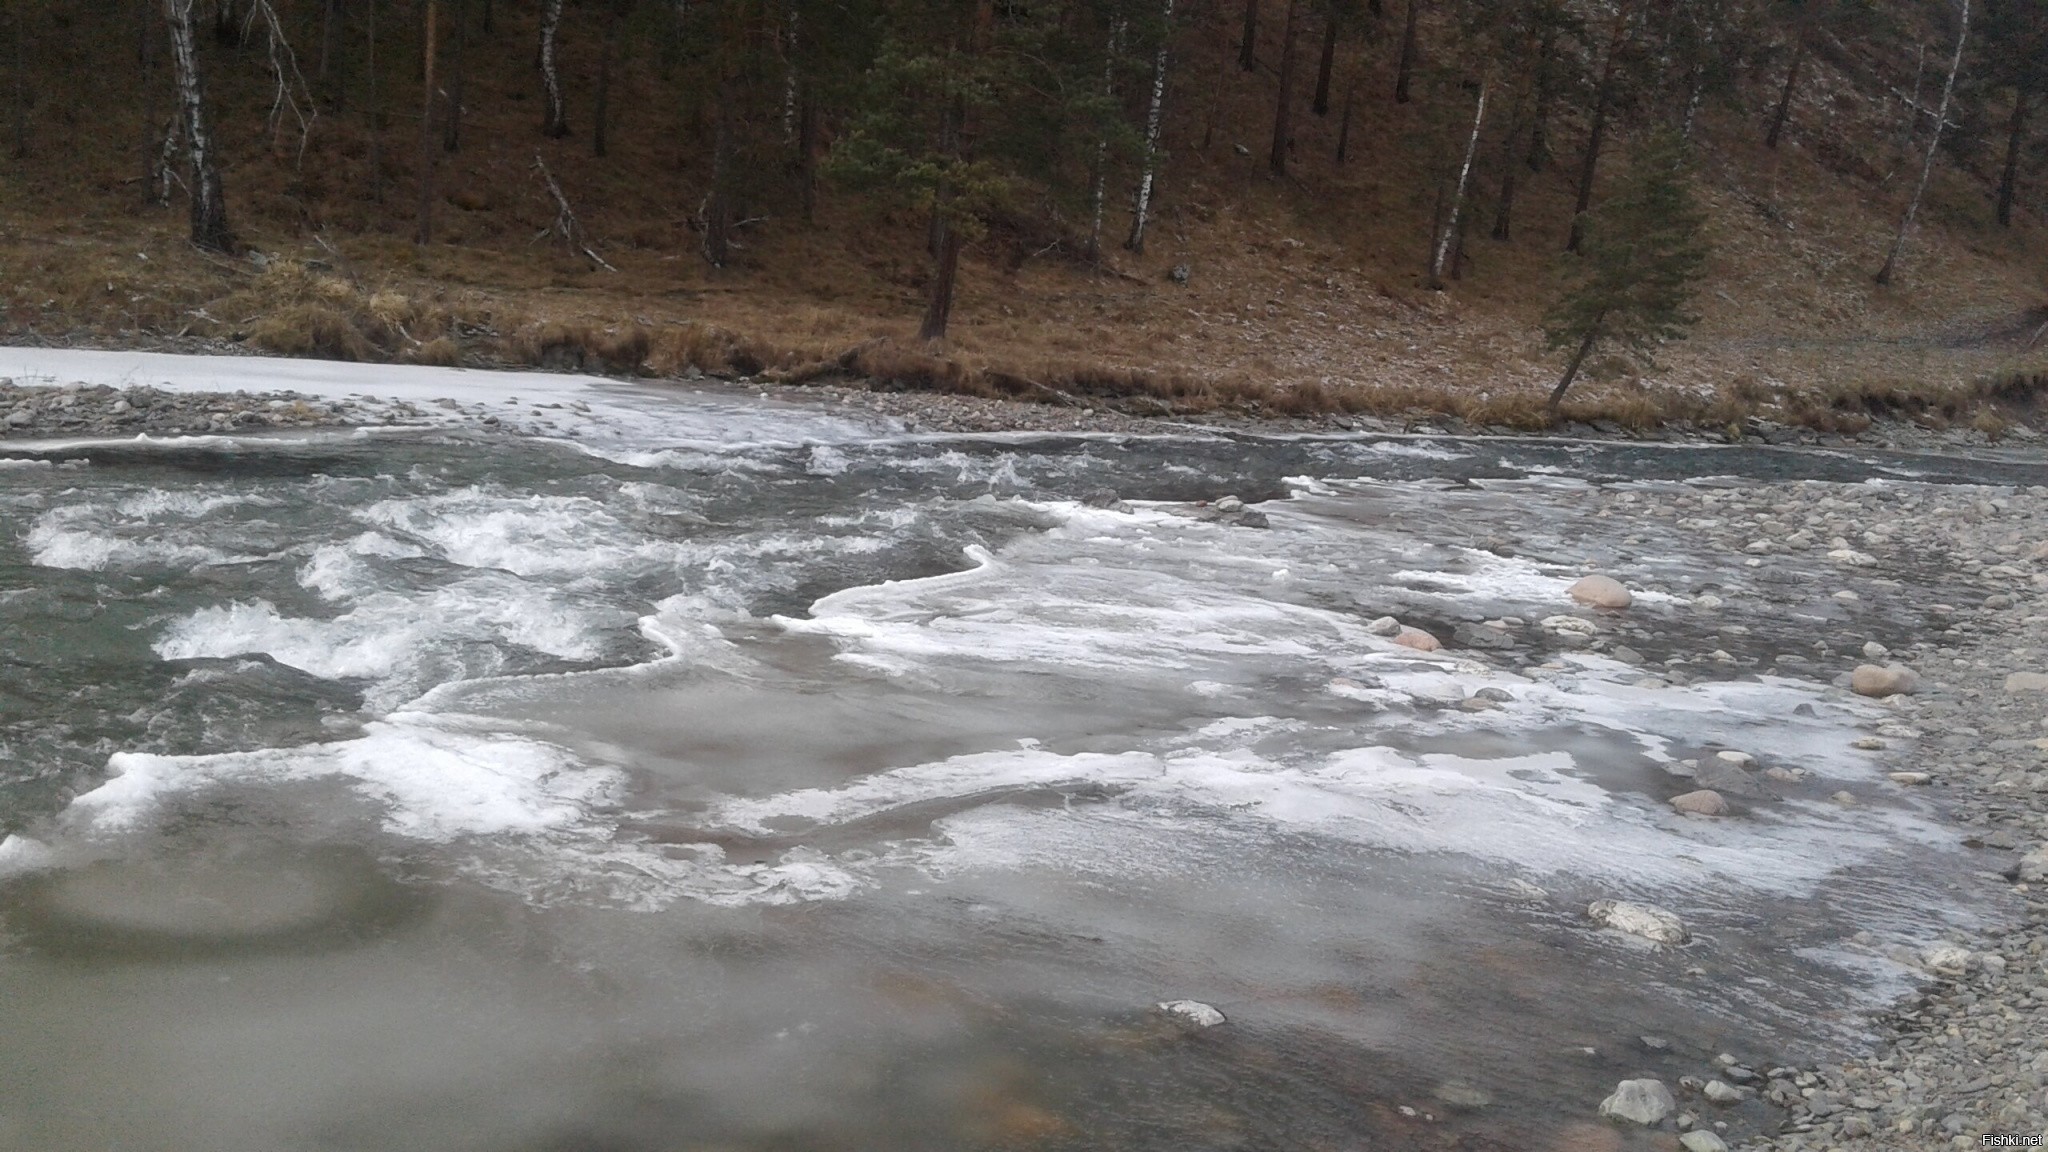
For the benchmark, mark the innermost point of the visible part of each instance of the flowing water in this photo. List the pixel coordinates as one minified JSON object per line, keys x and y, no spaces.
{"x":763,"y":779}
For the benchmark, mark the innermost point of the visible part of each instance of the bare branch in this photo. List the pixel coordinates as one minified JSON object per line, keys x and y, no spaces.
{"x":565,"y":226}
{"x":293,"y":96}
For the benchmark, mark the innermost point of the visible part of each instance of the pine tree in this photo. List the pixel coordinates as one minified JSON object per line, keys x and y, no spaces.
{"x":1642,"y":254}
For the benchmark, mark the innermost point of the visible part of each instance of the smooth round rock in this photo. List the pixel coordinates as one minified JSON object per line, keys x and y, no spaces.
{"x":1879,"y":681}
{"x":1417,"y":639}
{"x":1705,"y":802}
{"x":1600,"y":591}
{"x":1644,"y":1102}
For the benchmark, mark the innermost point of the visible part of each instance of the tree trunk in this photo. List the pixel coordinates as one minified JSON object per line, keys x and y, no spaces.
{"x":451,"y":125}
{"x":330,"y":20}
{"x":1321,"y":107}
{"x":145,"y":62}
{"x":376,"y":111}
{"x":20,"y":91}
{"x":807,"y":157}
{"x":209,"y":206}
{"x":1504,"y":208}
{"x":1283,"y":112}
{"x":1571,"y":370}
{"x":425,"y":234}
{"x":490,"y":24}
{"x":1546,"y":93}
{"x":1216,"y":90}
{"x":1443,"y":241}
{"x":555,"y":115}
{"x":1141,"y":204}
{"x":718,"y":209}
{"x":1948,"y":91}
{"x":1602,"y":100}
{"x":602,"y":111}
{"x":1099,"y":191}
{"x":1344,"y":122}
{"x":1406,"y":72}
{"x":1784,"y":111}
{"x":946,"y":239}
{"x":2015,"y":140}
{"x":1248,"y":47}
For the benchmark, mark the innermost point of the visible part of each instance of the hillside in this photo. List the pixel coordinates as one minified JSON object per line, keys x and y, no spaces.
{"x":1302,"y":292}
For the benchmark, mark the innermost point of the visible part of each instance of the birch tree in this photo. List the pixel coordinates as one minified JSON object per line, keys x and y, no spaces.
{"x":1948,"y":90}
{"x":209,"y":204}
{"x":1442,"y":248}
{"x":555,"y":113}
{"x":1141,"y":207}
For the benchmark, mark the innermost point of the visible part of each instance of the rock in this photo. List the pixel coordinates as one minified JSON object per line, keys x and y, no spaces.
{"x":1178,"y":274}
{"x":1886,"y":680}
{"x":1253,"y":518}
{"x":1701,"y":1140}
{"x":1731,"y":756}
{"x":1384,"y":626}
{"x":1228,"y":505}
{"x":1193,"y":1012}
{"x":1909,"y":779}
{"x":1644,"y":1102}
{"x":1482,"y":636}
{"x":1600,"y":592}
{"x":1462,"y":1095}
{"x":20,"y":418}
{"x":1721,"y":1092}
{"x":1100,"y":498}
{"x":2033,"y":867}
{"x":1645,"y":920}
{"x":1946,"y":960}
{"x":1417,"y":639}
{"x":2026,"y":682}
{"x":1569,"y":625}
{"x":1872,"y":650}
{"x":1705,"y":802}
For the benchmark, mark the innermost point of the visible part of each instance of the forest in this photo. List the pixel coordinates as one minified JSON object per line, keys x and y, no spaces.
{"x":1561,"y":172}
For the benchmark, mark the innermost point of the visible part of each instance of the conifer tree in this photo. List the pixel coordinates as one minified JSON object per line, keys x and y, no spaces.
{"x":1642,"y":254}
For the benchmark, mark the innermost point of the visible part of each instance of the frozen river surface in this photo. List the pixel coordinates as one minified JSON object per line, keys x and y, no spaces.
{"x":722,"y":775}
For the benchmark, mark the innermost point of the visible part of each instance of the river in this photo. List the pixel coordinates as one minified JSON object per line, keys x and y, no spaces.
{"x":739,"y":775}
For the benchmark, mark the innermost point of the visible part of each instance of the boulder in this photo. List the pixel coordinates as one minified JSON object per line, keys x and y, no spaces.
{"x":2026,"y":682}
{"x":1601,"y":592}
{"x":1883,"y":680}
{"x":1644,"y":1102}
{"x":2033,"y":867}
{"x":1946,"y":960}
{"x":1384,"y":626}
{"x":1417,"y":639}
{"x":1645,"y":920}
{"x":1705,"y":802}
{"x":1192,"y":1012}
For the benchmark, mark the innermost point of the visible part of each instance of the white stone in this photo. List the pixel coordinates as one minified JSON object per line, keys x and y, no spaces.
{"x":1701,"y":1140}
{"x":1645,"y":920}
{"x":1886,"y":680}
{"x":1852,"y":557}
{"x":2026,"y":682}
{"x":1644,"y":1102}
{"x":1909,"y":779}
{"x":1946,"y":960}
{"x":1384,"y":626}
{"x":1601,"y":592}
{"x":1875,"y":651}
{"x":1193,"y":1011}
{"x":2033,"y":867}
{"x":1721,"y":1092}
{"x":1569,"y":624}
{"x":1732,"y":756}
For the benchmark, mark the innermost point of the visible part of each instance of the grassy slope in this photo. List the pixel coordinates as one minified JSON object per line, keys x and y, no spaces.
{"x":1313,"y":280}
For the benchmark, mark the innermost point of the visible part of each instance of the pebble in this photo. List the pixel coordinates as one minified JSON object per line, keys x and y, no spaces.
{"x":1705,"y":802}
{"x":1701,"y":1140}
{"x":1645,"y":920}
{"x":1880,"y":681}
{"x":1600,"y":591}
{"x":1192,"y":1012}
{"x":1645,"y":1101}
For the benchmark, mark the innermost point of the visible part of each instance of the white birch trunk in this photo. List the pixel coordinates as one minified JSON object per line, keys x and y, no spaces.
{"x":1948,"y":90}
{"x":1443,"y":240}
{"x":1141,"y":210}
{"x":1116,"y":35}
{"x":557,"y":122}
{"x":209,"y":207}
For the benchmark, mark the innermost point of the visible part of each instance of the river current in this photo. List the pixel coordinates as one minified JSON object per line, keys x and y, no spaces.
{"x":763,"y":778}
